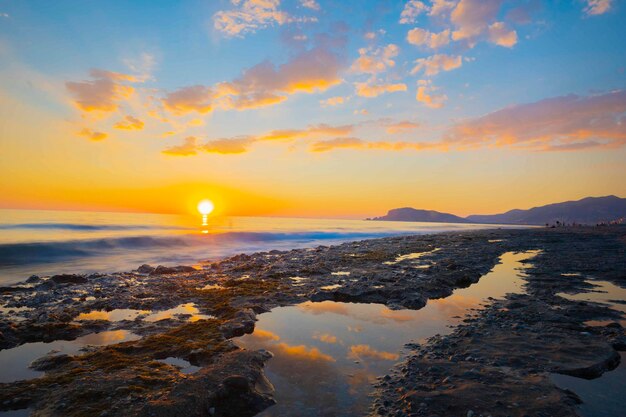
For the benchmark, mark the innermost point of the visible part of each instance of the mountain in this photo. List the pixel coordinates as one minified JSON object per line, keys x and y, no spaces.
{"x":408,"y":214}
{"x":590,"y":210}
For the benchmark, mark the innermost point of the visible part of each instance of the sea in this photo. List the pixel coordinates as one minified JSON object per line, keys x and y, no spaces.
{"x":42,"y":242}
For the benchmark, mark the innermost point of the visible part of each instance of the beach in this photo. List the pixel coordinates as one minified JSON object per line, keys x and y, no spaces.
{"x":474,"y":322}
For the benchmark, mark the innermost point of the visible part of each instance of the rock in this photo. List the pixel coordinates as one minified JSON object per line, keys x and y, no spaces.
{"x":32,"y":279}
{"x":145,"y":269}
{"x":50,"y":361}
{"x":165,"y":270}
{"x":68,"y":279}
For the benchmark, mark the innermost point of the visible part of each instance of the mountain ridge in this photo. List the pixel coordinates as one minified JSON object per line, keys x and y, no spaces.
{"x":588,"y":210}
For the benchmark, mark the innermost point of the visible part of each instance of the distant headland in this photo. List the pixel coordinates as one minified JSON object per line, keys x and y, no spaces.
{"x":591,"y":210}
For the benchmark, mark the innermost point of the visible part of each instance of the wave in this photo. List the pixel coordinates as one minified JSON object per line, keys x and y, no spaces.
{"x":44,"y":252}
{"x":84,"y":227}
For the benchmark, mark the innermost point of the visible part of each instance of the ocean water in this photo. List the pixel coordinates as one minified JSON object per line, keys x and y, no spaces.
{"x":53,"y":242}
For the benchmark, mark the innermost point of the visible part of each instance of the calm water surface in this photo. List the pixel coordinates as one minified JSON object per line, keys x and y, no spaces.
{"x":328,"y":354}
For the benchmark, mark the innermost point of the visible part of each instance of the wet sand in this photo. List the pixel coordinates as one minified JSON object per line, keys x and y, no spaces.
{"x":183,"y":360}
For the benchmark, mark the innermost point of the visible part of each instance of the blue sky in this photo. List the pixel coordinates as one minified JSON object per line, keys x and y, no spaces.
{"x":418,"y":89}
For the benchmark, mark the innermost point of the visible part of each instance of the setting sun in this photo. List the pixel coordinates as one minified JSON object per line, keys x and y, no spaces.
{"x":205,"y":207}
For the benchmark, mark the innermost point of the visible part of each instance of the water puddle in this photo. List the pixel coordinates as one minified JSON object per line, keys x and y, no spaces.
{"x":14,"y":362}
{"x":602,"y":397}
{"x":603,"y":292}
{"x":410,"y":256}
{"x":212,"y":287}
{"x":331,"y":287}
{"x":328,"y":354}
{"x":184,"y":366}
{"x":113,"y":315}
{"x":340,"y":273}
{"x":188,"y":309}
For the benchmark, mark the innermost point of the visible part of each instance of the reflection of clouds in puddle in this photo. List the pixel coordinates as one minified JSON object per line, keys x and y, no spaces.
{"x":183,"y":366}
{"x":302,"y":352}
{"x":340,"y":273}
{"x":15,"y":362}
{"x":113,"y":315}
{"x":211,"y":287}
{"x":326,"y":338}
{"x":323,"y":308}
{"x":105,"y":338}
{"x":264,"y":335}
{"x":331,"y":287}
{"x":347,"y":345}
{"x":410,"y":256}
{"x":189,"y":309}
{"x":360,"y":352}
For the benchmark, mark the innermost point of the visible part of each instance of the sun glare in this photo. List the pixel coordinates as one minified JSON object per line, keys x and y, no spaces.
{"x":205,"y":207}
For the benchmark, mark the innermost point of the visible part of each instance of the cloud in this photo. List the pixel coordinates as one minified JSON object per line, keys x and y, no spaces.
{"x":333,"y":101}
{"x":375,"y":60}
{"x":129,"y":123}
{"x":437,"y":63}
{"x":374,"y":90}
{"x":360,"y":144}
{"x":476,"y":19}
{"x":401,"y":127}
{"x":426,"y":94}
{"x":597,"y":7}
{"x":310,"y":4}
{"x":103,"y":92}
{"x":264,"y":84}
{"x":501,"y":35}
{"x":412,"y":9}
{"x":250,"y":15}
{"x":422,"y":37}
{"x":228,"y":146}
{"x":242,"y":144}
{"x":189,"y":147}
{"x":92,"y":135}
{"x":195,"y":98}
{"x":441,"y":6}
{"x":569,"y":122}
{"x":359,"y":352}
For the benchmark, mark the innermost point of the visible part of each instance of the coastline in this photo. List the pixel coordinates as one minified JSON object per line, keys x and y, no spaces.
{"x":539,"y":331}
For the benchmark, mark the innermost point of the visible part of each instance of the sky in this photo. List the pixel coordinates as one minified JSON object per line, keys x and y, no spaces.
{"x":311,"y":108}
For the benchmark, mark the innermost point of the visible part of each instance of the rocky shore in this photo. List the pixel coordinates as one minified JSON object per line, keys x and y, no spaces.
{"x":497,"y":363}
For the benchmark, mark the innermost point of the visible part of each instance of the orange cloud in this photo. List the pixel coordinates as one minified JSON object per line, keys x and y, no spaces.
{"x":228,"y":146}
{"x":333,"y":101}
{"x":401,"y":127}
{"x":264,"y":84}
{"x":189,"y":147}
{"x":412,"y":9}
{"x":103,"y":93}
{"x":422,"y":37}
{"x":189,"y":99}
{"x":374,"y":90}
{"x":359,"y":352}
{"x":437,"y":63}
{"x":92,"y":135}
{"x":242,"y":144}
{"x":597,"y":7}
{"x":426,"y":94}
{"x":476,"y":19}
{"x":561,"y":123}
{"x":501,"y":35}
{"x":374,"y":61}
{"x":356,"y":143}
{"x":129,"y":123}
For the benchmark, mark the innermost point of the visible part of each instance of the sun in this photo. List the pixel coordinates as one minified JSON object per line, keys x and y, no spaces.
{"x":205,"y":207}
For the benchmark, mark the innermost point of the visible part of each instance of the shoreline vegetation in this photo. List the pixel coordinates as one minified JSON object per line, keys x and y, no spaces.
{"x":497,"y":362}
